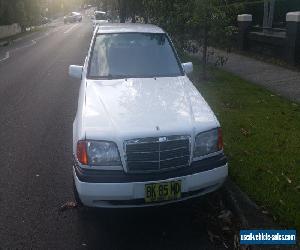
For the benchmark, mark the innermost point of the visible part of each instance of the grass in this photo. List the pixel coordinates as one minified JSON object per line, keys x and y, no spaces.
{"x":262,"y":141}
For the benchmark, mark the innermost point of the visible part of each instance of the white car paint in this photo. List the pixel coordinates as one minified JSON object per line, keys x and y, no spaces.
{"x":97,"y":195}
{"x":124,"y":109}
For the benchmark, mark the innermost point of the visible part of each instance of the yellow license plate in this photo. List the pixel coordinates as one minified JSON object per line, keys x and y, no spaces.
{"x":166,"y":191}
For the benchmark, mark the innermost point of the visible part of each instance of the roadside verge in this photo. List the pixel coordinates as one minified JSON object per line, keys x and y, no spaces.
{"x":261,"y":137}
{"x":249,"y":214}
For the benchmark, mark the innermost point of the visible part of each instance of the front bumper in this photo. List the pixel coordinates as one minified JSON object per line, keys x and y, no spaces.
{"x":125,"y":190}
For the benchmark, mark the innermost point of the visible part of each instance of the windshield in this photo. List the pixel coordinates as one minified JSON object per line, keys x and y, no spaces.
{"x":133,"y":55}
{"x":100,"y":16}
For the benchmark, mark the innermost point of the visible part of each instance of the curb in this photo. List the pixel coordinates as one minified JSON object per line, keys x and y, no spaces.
{"x":4,"y":43}
{"x":247,"y":211}
{"x":230,"y":196}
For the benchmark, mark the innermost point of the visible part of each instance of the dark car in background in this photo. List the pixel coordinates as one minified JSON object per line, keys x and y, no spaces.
{"x":73,"y":17}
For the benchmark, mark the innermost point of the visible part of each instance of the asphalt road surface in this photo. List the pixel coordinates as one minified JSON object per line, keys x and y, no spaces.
{"x":37,"y":106}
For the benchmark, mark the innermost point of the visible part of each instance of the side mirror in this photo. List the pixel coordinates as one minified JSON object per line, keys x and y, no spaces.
{"x":75,"y":71}
{"x":187,"y":67}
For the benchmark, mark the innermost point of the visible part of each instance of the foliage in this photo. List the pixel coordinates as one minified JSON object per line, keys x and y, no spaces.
{"x":191,"y":23}
{"x":28,"y":12}
{"x":25,"y":12}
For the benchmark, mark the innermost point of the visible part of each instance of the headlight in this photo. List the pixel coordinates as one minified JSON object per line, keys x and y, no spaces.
{"x":98,"y":153}
{"x":208,"y":142}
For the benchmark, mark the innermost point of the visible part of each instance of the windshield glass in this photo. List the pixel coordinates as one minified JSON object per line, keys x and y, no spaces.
{"x":132,"y":55}
{"x":100,"y":16}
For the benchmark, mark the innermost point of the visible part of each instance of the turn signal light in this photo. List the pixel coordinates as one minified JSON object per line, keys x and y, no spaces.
{"x":82,"y":153}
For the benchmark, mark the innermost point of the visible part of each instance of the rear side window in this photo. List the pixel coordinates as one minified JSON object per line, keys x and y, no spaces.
{"x":133,"y":55}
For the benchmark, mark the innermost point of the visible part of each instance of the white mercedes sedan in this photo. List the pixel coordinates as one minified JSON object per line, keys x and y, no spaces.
{"x":143,"y":135}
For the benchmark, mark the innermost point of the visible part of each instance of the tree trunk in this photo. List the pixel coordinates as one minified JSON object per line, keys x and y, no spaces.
{"x":133,"y":19}
{"x":122,"y":11}
{"x":145,"y":19}
{"x":271,"y":13}
{"x":204,"y":56}
{"x":269,"y":8}
{"x":266,"y":13}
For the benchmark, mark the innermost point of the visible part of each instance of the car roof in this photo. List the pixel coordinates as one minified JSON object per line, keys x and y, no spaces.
{"x":100,"y":12}
{"x":128,"y":28}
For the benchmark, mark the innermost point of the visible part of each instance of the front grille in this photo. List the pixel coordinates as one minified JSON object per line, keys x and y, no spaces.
{"x":157,"y":154}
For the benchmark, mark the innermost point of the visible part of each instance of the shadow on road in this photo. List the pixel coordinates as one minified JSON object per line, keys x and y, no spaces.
{"x":190,"y":225}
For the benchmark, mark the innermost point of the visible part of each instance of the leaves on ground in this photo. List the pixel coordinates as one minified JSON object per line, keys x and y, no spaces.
{"x":287,"y":178}
{"x":68,"y":205}
{"x":245,"y":132}
{"x":221,"y":224}
{"x":212,"y":236}
{"x":268,"y":127}
{"x":226,"y":216}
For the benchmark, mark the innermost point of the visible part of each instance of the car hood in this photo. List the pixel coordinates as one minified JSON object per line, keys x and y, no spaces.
{"x":135,"y":108}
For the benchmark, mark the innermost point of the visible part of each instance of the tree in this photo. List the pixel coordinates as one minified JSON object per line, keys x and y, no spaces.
{"x":130,"y":8}
{"x":21,"y":16}
{"x":212,"y":19}
{"x":24,"y":12}
{"x":201,"y":22}
{"x":122,"y":10}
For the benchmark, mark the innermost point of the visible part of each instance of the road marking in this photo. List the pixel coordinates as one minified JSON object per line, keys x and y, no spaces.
{"x":5,"y":58}
{"x":70,"y":29}
{"x":48,"y":33}
{"x":7,"y":54}
{"x":41,"y":37}
{"x":24,"y":37}
{"x":34,"y":42}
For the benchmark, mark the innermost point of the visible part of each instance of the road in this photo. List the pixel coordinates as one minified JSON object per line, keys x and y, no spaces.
{"x":37,"y":107}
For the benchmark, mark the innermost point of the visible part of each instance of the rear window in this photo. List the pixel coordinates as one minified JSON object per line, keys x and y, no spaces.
{"x":133,"y":55}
